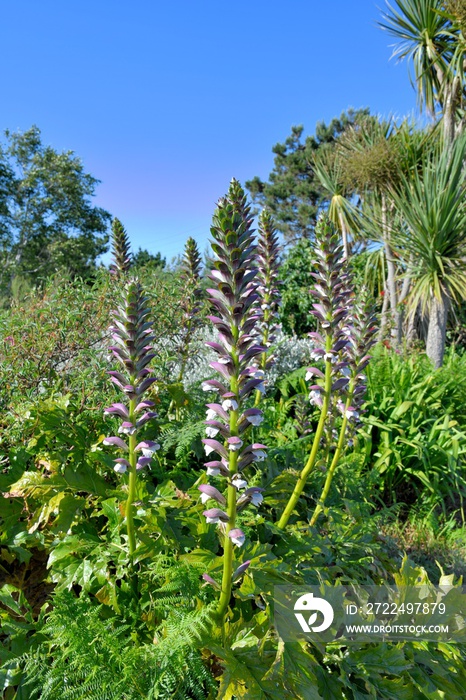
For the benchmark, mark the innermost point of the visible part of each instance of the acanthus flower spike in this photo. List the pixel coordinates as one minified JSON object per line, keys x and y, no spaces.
{"x":332,"y":291}
{"x":235,"y":300}
{"x":267,"y":304}
{"x":131,"y":334}
{"x":121,"y":249}
{"x":361,"y":336}
{"x":190,"y":305}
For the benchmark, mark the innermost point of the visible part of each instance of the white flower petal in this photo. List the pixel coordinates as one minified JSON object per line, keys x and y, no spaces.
{"x":229,"y":403}
{"x":255,"y":420}
{"x":256,"y":499}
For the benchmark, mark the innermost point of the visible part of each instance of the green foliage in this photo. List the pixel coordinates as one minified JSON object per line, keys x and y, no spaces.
{"x":431,"y":202}
{"x":78,"y":619}
{"x":47,"y":221}
{"x":295,"y":273}
{"x":48,"y":342}
{"x":293,"y":193}
{"x":145,"y":259}
{"x":415,"y":432}
{"x":426,"y":36}
{"x":102,"y":657}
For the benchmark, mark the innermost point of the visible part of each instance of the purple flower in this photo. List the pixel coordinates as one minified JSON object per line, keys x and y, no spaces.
{"x":211,"y":581}
{"x":240,"y":570}
{"x":217,"y":468}
{"x":237,"y":536}
{"x":238,"y":482}
{"x":215,"y":515}
{"x":118,"y":409}
{"x":214,"y":446}
{"x":208,"y":491}
{"x":118,"y":442}
{"x":252,"y":495}
{"x":121,"y":465}
{"x":147,"y":447}
{"x":230,"y":403}
{"x":253,"y":416}
{"x":142,"y":462}
{"x":127,"y":428}
{"x":234,"y":443}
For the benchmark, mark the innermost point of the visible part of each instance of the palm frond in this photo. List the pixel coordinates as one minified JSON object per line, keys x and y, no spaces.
{"x":426,"y":37}
{"x":431,"y":202}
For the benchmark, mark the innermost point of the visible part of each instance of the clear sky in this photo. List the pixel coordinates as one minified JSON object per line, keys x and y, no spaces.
{"x":165,"y":102}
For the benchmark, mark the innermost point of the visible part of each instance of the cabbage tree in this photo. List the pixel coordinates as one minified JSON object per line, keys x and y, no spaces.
{"x":430,"y":34}
{"x":431,"y":200}
{"x":341,"y":212}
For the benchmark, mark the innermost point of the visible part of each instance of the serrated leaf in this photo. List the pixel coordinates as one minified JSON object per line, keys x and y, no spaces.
{"x":84,"y":478}
{"x":379,"y":659}
{"x":295,"y":668}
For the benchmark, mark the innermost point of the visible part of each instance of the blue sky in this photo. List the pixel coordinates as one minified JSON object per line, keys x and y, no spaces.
{"x":166,"y":101}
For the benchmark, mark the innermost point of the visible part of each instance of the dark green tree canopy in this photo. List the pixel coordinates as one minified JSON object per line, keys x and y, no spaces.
{"x":145,"y":259}
{"x":293,"y":193}
{"x":47,"y":220}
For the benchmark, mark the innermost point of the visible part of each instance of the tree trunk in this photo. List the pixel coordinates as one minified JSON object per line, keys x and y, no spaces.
{"x":383,"y":316}
{"x":391,"y":273}
{"x":449,"y":111}
{"x":411,"y":329}
{"x":437,"y":331}
{"x":344,"y":236}
{"x":402,"y":297}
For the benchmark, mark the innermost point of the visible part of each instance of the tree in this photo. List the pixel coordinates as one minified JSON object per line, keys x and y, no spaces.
{"x":295,"y":273}
{"x":432,"y":202}
{"x":430,"y":33}
{"x":293,"y":193}
{"x":341,"y":211}
{"x":369,"y":158}
{"x":47,"y":221}
{"x":145,"y":259}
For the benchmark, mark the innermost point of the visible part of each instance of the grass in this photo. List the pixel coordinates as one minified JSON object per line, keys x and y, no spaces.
{"x":439,"y":547}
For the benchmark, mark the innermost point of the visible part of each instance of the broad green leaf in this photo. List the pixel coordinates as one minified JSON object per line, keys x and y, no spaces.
{"x":330,"y":687}
{"x":84,"y":478}
{"x":296,"y":669}
{"x":379,"y":659}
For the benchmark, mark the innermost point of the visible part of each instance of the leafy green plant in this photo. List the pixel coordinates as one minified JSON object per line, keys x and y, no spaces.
{"x":411,"y":441}
{"x":233,"y":298}
{"x":341,"y":347}
{"x":100,"y":656}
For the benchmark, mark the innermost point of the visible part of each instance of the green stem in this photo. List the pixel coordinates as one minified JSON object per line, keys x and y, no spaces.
{"x":184,"y":359}
{"x":301,"y":482}
{"x":225,"y":594}
{"x":328,"y":481}
{"x":131,"y":485}
{"x":185,"y":351}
